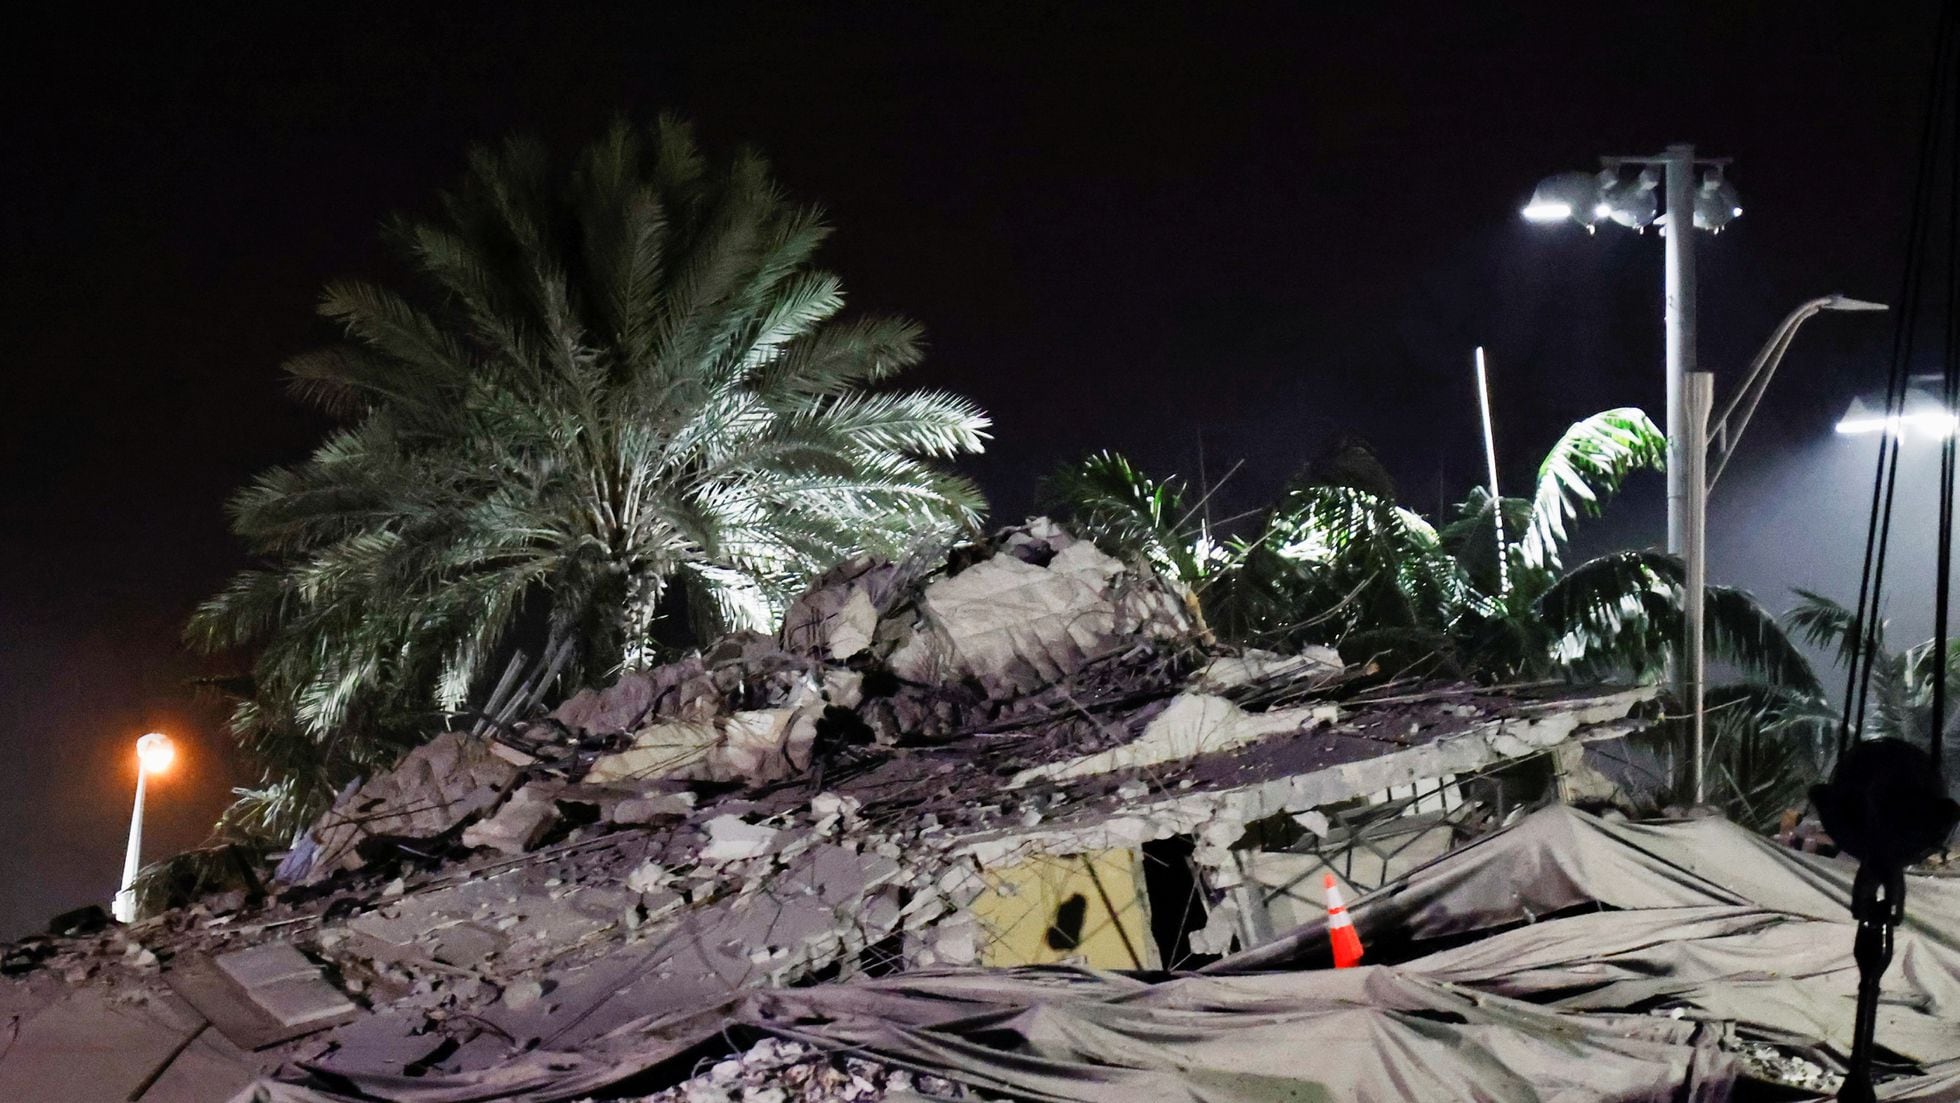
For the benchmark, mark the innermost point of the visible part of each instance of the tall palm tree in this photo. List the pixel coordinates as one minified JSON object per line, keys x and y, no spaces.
{"x":619,"y":390}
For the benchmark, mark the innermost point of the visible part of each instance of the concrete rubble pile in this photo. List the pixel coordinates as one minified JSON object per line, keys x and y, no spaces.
{"x":1028,"y":754}
{"x":775,"y":1071}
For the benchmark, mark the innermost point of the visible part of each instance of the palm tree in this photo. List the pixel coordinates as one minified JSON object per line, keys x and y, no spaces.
{"x":1900,"y":694}
{"x":619,"y":393}
{"x":1335,"y":564}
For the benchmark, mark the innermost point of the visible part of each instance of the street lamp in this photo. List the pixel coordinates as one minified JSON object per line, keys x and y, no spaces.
{"x":1698,"y":194}
{"x":1725,"y":432}
{"x":154,"y":753}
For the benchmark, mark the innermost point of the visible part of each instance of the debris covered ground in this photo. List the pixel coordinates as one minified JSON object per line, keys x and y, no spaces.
{"x":1003,"y":825}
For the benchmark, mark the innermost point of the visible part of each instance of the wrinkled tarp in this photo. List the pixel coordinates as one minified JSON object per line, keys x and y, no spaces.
{"x":1698,"y":914}
{"x":1537,"y":964}
{"x":1065,"y":1034}
{"x":1559,"y":859}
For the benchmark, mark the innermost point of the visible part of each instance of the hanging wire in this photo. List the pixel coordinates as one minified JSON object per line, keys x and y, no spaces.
{"x":1950,"y":405}
{"x":1878,"y":529}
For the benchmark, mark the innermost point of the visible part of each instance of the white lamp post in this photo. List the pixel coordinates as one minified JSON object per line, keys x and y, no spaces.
{"x":154,"y":753}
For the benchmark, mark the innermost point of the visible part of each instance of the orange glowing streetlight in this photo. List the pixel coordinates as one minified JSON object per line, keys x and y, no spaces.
{"x":154,"y":754}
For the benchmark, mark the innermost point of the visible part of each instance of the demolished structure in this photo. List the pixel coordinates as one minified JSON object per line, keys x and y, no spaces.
{"x":783,"y":855}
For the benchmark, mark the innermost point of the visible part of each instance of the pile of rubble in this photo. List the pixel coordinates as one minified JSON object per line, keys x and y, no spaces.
{"x":776,"y":1071}
{"x":1027,"y":754}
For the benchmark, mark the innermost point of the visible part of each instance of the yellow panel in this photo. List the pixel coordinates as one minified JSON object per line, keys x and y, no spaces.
{"x":1029,"y":908}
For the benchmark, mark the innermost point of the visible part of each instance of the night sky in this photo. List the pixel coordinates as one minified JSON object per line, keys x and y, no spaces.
{"x":1137,"y":227}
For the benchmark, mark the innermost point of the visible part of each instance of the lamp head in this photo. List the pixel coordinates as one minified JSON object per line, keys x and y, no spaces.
{"x":1845,"y":302}
{"x":1716,"y":203}
{"x":155,"y":752}
{"x":1569,"y":195}
{"x":1631,"y":203}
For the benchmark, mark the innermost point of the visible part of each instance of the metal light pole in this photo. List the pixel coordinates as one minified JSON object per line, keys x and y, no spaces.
{"x":1690,"y":394}
{"x":153,"y":755}
{"x":1692,"y":201}
{"x":1689,"y":204}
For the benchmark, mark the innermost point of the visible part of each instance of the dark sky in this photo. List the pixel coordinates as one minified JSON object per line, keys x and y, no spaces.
{"x":1122,"y":227}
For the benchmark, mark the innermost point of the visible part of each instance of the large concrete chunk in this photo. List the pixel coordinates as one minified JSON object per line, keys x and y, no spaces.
{"x":750,"y":745}
{"x":838,"y":617}
{"x":1018,"y":626}
{"x":523,"y":820}
{"x":434,"y":788}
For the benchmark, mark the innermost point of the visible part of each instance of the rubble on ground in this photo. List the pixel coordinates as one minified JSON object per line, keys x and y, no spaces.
{"x":1028,"y":755}
{"x":775,"y":1071}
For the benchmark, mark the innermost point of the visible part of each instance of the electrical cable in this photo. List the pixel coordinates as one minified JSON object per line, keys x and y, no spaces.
{"x":1878,"y":531}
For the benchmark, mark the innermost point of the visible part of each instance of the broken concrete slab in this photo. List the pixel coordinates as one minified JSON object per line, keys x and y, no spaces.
{"x":745,"y":745}
{"x":520,"y":823}
{"x":432,"y":790}
{"x":1252,"y":667}
{"x":650,"y":809}
{"x":1016,"y":626}
{"x":837,"y":618}
{"x":265,"y":964}
{"x":730,"y":838}
{"x":1194,"y":724}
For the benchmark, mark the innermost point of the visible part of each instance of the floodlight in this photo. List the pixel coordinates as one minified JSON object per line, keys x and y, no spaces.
{"x":1569,"y":195}
{"x":1716,"y":203}
{"x":1923,"y":416}
{"x":1631,"y":203}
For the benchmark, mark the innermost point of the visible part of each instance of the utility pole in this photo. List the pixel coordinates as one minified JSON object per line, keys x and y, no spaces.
{"x":1490,"y":461}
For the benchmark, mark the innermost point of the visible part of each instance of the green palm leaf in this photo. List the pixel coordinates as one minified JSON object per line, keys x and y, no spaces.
{"x":1587,"y":465}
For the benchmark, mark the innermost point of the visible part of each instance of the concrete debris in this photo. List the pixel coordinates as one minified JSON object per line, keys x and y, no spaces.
{"x":730,"y":839}
{"x":634,"y":811}
{"x":1248,"y":668}
{"x":775,"y":1071}
{"x":1043,"y":608}
{"x":751,"y":745}
{"x":838,"y":618}
{"x":1793,"y":1070}
{"x":519,"y":824}
{"x":434,"y":788}
{"x":1193,"y":725}
{"x":1022,"y":755}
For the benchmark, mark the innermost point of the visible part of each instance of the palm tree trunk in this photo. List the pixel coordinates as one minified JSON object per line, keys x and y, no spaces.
{"x":635,"y":619}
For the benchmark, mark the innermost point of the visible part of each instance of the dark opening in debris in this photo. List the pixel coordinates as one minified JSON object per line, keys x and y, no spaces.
{"x":1177,"y":901}
{"x":1065,"y":933}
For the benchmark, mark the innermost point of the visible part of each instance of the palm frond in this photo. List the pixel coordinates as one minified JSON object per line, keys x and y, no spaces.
{"x":1588,"y":464}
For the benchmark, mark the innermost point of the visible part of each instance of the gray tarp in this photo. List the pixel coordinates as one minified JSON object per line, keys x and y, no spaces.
{"x":1527,"y":966}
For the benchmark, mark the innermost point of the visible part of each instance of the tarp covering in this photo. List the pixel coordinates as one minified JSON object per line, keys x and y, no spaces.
{"x":1567,"y":958}
{"x":1560,"y":859}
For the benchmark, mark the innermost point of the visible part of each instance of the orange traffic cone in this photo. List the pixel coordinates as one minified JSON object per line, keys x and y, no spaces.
{"x":1340,"y":929}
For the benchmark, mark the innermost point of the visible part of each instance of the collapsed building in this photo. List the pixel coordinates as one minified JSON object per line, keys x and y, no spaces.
{"x":1004,"y":824}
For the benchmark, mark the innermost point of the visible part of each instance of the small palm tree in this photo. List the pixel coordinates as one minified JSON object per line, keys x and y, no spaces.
{"x":621,"y":392}
{"x":1900,"y":695}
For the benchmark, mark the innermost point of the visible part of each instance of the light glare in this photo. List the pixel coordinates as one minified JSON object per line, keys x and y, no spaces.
{"x":155,"y":752}
{"x":1548,"y":212}
{"x":1930,"y":423}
